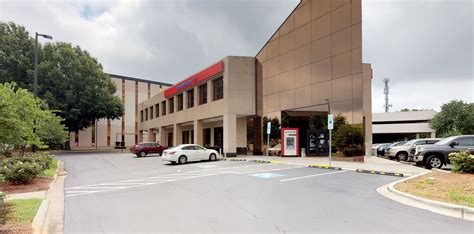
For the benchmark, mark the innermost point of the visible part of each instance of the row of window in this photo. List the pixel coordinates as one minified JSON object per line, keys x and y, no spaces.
{"x":218,"y":93}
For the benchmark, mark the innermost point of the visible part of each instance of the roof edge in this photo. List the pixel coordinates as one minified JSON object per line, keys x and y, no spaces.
{"x":138,"y":79}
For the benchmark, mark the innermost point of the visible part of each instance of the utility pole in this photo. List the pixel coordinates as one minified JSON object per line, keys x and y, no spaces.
{"x":386,"y":90}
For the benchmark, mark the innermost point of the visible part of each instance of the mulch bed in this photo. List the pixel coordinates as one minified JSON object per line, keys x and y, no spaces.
{"x":12,"y":226}
{"x":435,"y":185}
{"x":16,"y":228}
{"x":40,"y":183}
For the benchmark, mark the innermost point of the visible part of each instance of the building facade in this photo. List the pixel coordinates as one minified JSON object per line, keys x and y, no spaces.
{"x":311,"y":66}
{"x":131,"y":91}
{"x":398,"y":126}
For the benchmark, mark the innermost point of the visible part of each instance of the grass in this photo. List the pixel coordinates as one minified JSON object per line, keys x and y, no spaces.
{"x":453,"y":188}
{"x":23,"y":210}
{"x":52,"y":169}
{"x":460,"y":198}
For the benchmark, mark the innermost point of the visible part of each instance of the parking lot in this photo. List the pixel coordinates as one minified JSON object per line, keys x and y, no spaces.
{"x":121,"y":193}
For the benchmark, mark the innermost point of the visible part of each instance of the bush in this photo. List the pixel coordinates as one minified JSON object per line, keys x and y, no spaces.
{"x":462,"y":162}
{"x":22,"y":172}
{"x":349,"y":152}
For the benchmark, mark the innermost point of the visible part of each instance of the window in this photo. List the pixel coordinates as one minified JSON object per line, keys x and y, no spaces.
{"x":157,"y":110}
{"x":191,"y":98}
{"x":151,"y":112}
{"x":171,"y":105}
{"x":466,"y":142}
{"x":189,"y":147}
{"x":146,"y":114}
{"x":163,"y":108}
{"x":180,"y":102}
{"x":218,"y":89}
{"x":203,"y":94}
{"x":141,"y":116}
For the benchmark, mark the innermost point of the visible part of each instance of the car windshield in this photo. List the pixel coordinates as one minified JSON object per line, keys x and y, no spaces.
{"x":444,"y":141}
{"x":410,"y":142}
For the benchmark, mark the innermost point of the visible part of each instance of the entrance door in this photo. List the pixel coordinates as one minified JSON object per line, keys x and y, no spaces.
{"x":218,"y":138}
{"x":170,"y":139}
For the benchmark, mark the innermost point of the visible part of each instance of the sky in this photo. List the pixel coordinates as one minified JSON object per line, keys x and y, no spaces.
{"x":425,"y":47}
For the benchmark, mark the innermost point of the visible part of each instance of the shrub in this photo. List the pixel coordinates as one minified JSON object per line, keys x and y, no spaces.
{"x":22,"y":172}
{"x":349,"y":152}
{"x":462,"y":162}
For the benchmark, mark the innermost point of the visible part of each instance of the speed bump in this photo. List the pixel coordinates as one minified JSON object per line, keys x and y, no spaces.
{"x":380,"y":173}
{"x":324,"y":166}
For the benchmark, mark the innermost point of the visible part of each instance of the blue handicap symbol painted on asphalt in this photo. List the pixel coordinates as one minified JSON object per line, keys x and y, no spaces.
{"x":267,"y":175}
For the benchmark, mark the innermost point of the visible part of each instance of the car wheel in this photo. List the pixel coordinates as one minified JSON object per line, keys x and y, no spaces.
{"x":212,"y":157}
{"x":142,"y":154}
{"x":182,"y":159}
{"x":433,"y":161}
{"x":402,"y":156}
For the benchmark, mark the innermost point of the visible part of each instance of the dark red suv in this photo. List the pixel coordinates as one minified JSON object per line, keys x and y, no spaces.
{"x":144,"y":148}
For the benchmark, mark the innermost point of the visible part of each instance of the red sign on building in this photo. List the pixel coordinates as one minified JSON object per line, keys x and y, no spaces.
{"x":195,"y":79}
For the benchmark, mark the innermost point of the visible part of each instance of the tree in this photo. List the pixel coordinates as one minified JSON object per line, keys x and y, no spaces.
{"x":456,"y":118}
{"x":73,"y":83}
{"x":51,"y":132}
{"x":349,"y":135}
{"x":20,"y":113}
{"x":69,"y":79}
{"x":275,"y":132}
{"x":16,"y":55}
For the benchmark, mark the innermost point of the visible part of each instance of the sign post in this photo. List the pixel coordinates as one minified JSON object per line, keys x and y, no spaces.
{"x":269,"y":129}
{"x":330,"y":127}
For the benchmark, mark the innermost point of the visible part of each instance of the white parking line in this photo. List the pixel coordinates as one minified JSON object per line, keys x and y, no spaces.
{"x":308,"y":176}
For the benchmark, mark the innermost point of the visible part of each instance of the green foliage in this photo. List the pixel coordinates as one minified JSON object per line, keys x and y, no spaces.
{"x":69,"y":79}
{"x":275,"y":132}
{"x":16,"y":55}
{"x":462,"y":162}
{"x":52,"y":132}
{"x":23,"y":170}
{"x":351,"y":151}
{"x":73,"y":83}
{"x":349,"y":135}
{"x":456,"y":118}
{"x":317,"y":122}
{"x":24,"y":210}
{"x":20,"y":114}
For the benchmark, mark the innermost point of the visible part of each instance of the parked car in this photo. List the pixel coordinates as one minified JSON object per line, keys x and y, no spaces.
{"x":379,"y":150}
{"x":144,"y":148}
{"x":402,"y":152}
{"x":437,"y":155}
{"x":383,"y":151}
{"x":189,"y":152}
{"x":275,"y":150}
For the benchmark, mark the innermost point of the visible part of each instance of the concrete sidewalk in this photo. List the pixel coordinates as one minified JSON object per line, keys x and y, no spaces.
{"x":371,"y":163}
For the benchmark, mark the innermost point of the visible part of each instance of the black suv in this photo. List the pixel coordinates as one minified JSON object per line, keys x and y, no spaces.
{"x":437,"y":155}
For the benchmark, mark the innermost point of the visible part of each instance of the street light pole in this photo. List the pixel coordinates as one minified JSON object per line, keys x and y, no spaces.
{"x":35,"y":73}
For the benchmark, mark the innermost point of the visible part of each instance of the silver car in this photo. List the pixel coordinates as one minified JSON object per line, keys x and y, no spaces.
{"x":406,"y":151}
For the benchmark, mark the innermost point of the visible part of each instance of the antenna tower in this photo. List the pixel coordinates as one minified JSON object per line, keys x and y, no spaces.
{"x":385,"y":92}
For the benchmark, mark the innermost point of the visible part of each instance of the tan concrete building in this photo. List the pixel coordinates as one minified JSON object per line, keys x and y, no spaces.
{"x":311,"y":66}
{"x":131,"y":91}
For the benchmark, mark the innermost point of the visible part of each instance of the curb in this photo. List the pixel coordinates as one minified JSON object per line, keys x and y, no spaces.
{"x":380,"y":173}
{"x":43,"y":216}
{"x":324,"y":166}
{"x":443,"y":208}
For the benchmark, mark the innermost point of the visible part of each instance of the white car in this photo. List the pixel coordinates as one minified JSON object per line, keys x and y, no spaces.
{"x":188,"y":153}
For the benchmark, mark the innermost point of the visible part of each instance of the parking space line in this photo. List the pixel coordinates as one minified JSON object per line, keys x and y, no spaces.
{"x":308,"y":176}
{"x":276,"y":169}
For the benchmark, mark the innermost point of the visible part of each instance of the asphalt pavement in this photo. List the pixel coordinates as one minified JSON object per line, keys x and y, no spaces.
{"x":123,"y":193}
